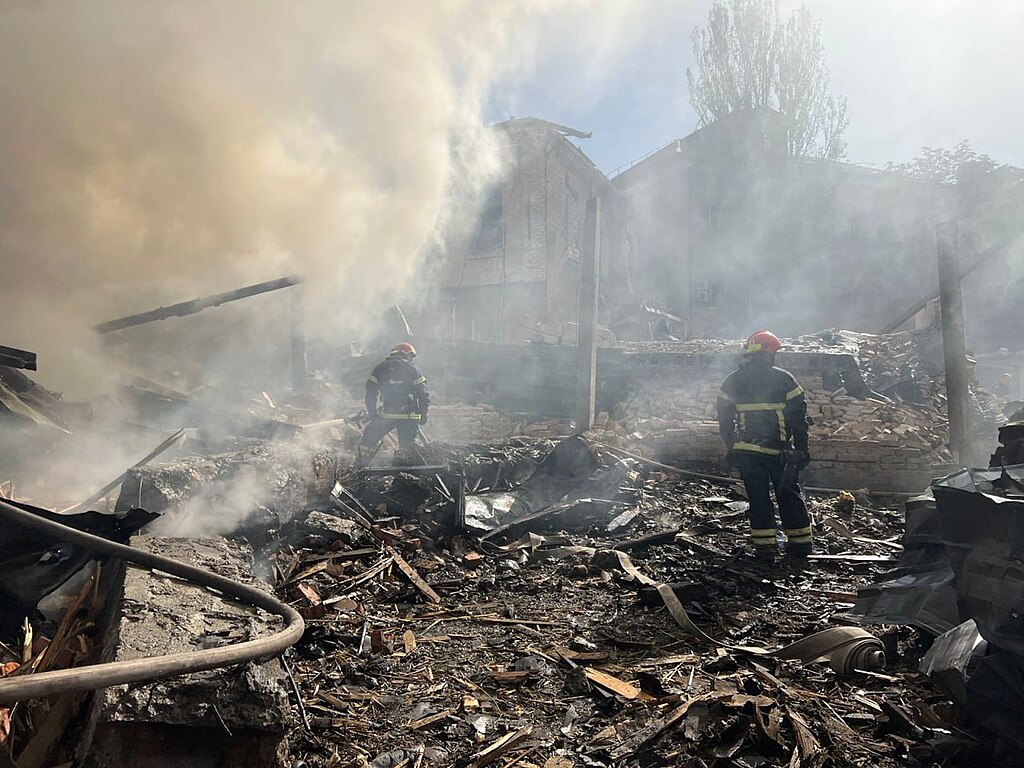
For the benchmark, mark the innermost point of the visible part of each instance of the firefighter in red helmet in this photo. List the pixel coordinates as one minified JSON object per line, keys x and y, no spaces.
{"x":396,"y":399}
{"x":762,"y":416}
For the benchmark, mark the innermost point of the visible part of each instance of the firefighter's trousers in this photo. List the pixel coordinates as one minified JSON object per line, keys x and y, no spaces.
{"x":378,"y":429}
{"x":762,"y":474}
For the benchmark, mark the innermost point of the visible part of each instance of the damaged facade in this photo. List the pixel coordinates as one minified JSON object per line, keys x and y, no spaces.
{"x":512,"y":274}
{"x":716,"y":233}
{"x":729,"y":231}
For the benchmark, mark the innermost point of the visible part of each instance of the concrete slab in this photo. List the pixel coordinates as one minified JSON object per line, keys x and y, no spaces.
{"x":223,"y":718}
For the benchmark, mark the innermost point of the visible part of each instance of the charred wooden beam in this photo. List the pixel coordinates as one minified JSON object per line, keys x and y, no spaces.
{"x":17,"y":358}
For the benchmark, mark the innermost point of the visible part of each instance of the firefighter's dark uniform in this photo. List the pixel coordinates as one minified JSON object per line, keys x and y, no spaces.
{"x":761,"y":413}
{"x":404,"y":400}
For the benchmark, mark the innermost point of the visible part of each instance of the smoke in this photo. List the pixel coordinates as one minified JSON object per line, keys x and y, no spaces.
{"x":156,"y":152}
{"x":216,"y":509}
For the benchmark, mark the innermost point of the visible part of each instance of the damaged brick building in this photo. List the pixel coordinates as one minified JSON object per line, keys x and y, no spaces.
{"x":711,"y":235}
{"x":512,"y":275}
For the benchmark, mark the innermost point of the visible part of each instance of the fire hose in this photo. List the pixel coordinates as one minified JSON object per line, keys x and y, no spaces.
{"x":104,"y":675}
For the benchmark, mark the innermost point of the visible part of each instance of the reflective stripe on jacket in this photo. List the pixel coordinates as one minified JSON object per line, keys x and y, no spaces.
{"x":761,"y":409}
{"x":402,"y":390}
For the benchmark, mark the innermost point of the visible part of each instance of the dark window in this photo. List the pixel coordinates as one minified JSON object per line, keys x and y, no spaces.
{"x":489,"y":230}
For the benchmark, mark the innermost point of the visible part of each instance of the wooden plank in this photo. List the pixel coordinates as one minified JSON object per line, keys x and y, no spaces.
{"x":613,"y":684}
{"x":429,"y":720}
{"x":580,"y":657}
{"x":854,"y":558}
{"x":527,"y":622}
{"x":350,"y":554}
{"x":170,"y":441}
{"x":413,"y":576}
{"x":505,"y":744}
{"x":663,"y":537}
{"x":651,"y":733}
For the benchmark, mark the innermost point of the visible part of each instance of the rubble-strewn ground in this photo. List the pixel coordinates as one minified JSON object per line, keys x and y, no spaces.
{"x":542,"y":650}
{"x":905,"y":401}
{"x":545,"y":657}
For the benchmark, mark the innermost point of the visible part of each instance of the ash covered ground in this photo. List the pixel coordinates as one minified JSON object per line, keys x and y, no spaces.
{"x":543,"y":649}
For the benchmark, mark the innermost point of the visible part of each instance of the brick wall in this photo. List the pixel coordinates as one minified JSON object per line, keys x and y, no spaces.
{"x":855,"y":443}
{"x":838,"y":463}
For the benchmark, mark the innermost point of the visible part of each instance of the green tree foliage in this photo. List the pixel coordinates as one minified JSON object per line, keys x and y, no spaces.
{"x":943,"y":164}
{"x":748,"y":58}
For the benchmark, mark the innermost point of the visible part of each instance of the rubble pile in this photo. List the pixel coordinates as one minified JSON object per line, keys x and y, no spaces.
{"x":461,"y":424}
{"x":908,"y":368}
{"x":957,"y":581}
{"x":544,"y":644}
{"x":526,"y":599}
{"x":71,"y":640}
{"x":900,"y":401}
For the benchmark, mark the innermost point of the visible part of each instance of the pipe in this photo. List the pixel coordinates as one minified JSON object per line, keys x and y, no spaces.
{"x":96,"y":676}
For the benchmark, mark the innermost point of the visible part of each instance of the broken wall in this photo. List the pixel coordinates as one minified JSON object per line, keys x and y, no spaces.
{"x":733,"y":233}
{"x":512,"y":273}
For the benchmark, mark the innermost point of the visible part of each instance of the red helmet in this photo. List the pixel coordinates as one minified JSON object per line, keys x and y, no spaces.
{"x":762,"y":341}
{"x":404,"y":349}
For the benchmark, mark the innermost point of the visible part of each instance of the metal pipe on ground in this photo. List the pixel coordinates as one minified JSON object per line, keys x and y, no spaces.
{"x":141,"y":670}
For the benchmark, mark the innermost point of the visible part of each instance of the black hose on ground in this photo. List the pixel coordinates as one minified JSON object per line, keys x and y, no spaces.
{"x":90,"y":678}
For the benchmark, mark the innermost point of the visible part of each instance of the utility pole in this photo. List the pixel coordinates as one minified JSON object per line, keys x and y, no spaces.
{"x":586,"y":318}
{"x":953,"y":345}
{"x":298,"y":339}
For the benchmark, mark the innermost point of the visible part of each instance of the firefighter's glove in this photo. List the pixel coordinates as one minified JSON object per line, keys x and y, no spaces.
{"x":802,"y":459}
{"x":423,"y":418}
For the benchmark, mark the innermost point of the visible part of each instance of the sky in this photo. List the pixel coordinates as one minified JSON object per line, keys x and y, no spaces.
{"x":915,"y":73}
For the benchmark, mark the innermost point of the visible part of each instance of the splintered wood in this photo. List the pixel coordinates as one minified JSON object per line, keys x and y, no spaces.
{"x":552,"y":647}
{"x":412,"y":575}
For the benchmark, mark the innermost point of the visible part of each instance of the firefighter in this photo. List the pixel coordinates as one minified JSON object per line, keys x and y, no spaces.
{"x":403,"y":402}
{"x":762,"y":416}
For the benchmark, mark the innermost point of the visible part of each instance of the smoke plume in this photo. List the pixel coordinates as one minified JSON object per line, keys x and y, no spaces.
{"x":157,"y":152}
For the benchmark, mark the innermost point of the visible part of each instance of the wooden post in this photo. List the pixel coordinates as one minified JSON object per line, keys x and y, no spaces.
{"x":298,"y":338}
{"x":586,"y":318}
{"x":953,"y":345}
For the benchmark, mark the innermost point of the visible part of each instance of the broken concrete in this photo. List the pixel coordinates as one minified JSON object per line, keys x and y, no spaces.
{"x":228,"y":491}
{"x":223,"y":717}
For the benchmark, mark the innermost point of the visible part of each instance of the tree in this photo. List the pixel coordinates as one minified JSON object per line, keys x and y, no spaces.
{"x":943,"y":165}
{"x":747,"y":58}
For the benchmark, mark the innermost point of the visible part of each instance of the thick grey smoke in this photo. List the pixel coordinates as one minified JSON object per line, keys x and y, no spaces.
{"x":156,"y":152}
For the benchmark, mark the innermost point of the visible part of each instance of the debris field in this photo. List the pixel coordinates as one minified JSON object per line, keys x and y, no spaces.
{"x":520,"y":596}
{"x":538,"y":646}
